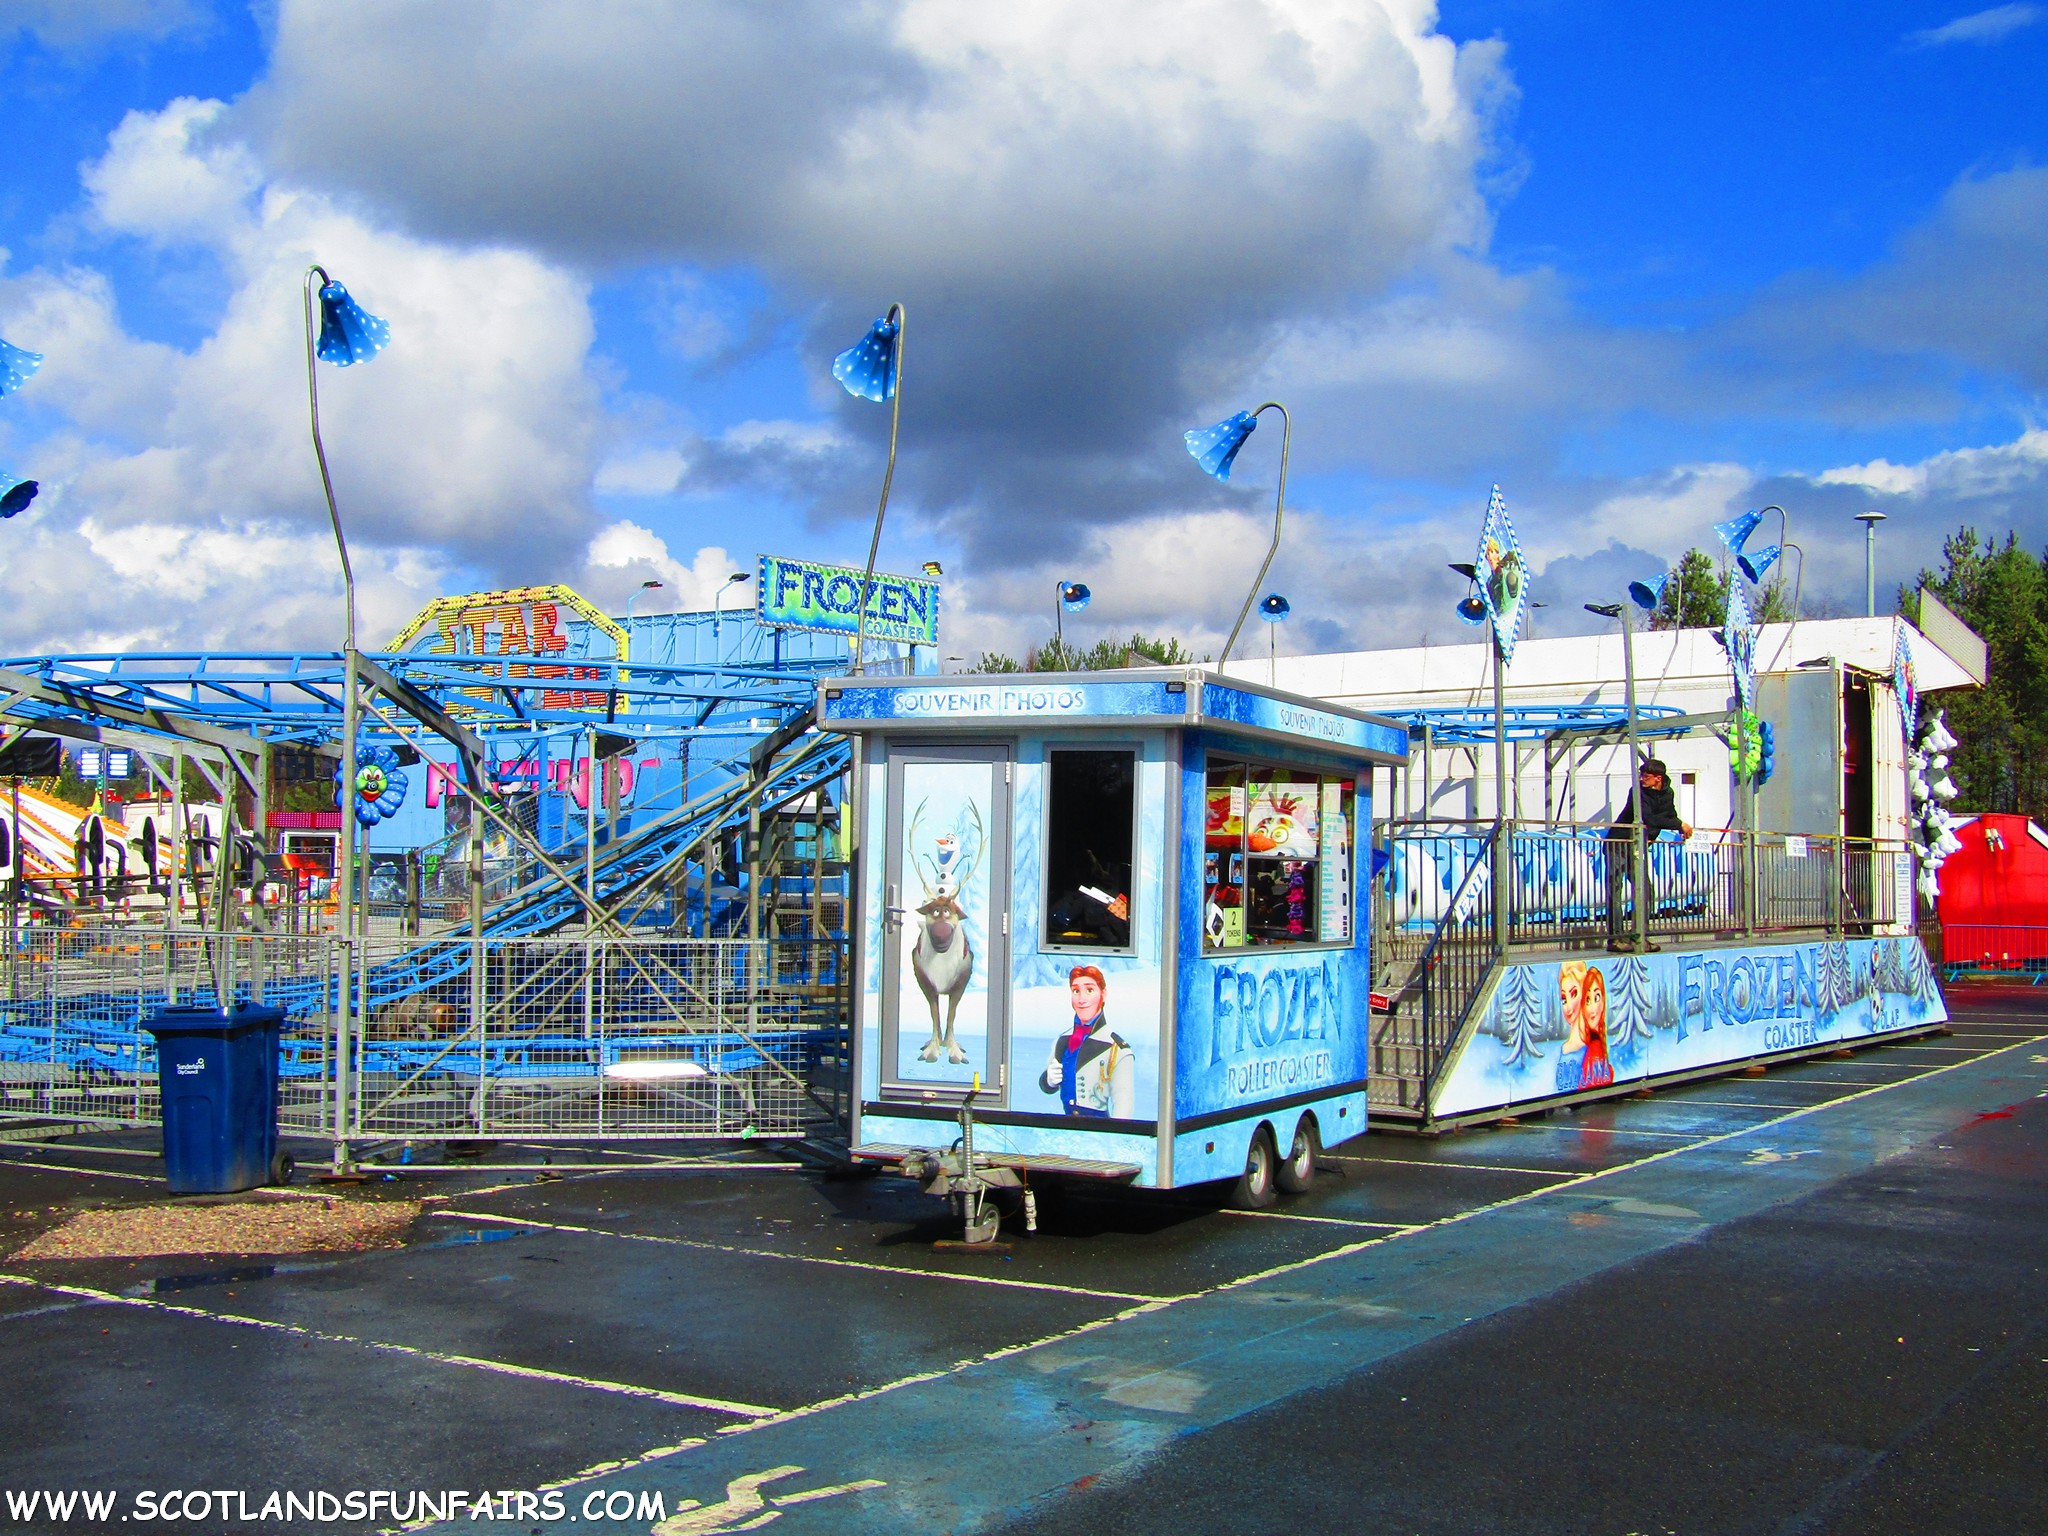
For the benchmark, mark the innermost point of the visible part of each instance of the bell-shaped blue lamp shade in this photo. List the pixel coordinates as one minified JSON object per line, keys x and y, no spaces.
{"x":1074,"y":596}
{"x":16,"y":367}
{"x":1473,"y":609}
{"x":1736,"y":531}
{"x":1273,"y":607}
{"x":1648,"y":594}
{"x":1215,"y":447}
{"x":348,"y":332}
{"x":868,"y":367}
{"x":15,"y":494}
{"x":1754,"y":566}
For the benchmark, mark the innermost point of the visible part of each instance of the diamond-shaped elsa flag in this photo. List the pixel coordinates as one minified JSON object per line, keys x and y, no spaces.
{"x":1503,"y":579}
{"x":1906,"y":683}
{"x":348,"y":332}
{"x":16,"y":367}
{"x":1738,"y":637}
{"x":1216,"y":447}
{"x":868,"y":367}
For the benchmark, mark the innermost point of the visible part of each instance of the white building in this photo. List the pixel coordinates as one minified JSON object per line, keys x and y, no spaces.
{"x":1826,"y":686}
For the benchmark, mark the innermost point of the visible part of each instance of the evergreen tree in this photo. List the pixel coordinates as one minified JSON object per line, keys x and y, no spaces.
{"x":1700,"y":587}
{"x":1518,"y":1014}
{"x":1628,"y":1005}
{"x":2001,"y":760}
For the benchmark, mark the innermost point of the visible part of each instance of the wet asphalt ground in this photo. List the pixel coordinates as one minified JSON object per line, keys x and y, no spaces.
{"x":1804,"y":1301}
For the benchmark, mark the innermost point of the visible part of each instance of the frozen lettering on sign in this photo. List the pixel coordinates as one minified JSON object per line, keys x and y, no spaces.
{"x":1252,"y":1011}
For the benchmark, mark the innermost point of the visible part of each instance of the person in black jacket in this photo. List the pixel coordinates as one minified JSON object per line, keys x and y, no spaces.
{"x":1660,"y":814}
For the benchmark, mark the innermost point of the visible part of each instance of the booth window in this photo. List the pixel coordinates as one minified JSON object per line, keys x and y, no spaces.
{"x":1276,"y":857}
{"x":1091,"y":799}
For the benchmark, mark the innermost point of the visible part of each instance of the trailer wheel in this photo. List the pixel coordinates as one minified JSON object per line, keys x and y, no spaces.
{"x":1299,"y":1171}
{"x":1254,"y":1189}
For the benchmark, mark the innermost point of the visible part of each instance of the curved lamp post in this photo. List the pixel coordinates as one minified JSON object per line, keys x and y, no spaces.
{"x":872,"y":369}
{"x":1273,"y":608}
{"x":346,"y":335}
{"x":718,"y":612}
{"x":1215,"y":448}
{"x":639,"y":592}
{"x":1073,"y":597}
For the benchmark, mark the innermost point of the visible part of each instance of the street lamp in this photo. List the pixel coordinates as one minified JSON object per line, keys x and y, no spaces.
{"x":1073,"y":597}
{"x":718,"y":611}
{"x":1635,"y":750}
{"x":872,"y":368}
{"x":1870,"y":520}
{"x":1215,"y":448}
{"x":645,"y":586}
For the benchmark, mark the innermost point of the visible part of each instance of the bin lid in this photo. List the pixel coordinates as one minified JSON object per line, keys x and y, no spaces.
{"x":205,"y":1019}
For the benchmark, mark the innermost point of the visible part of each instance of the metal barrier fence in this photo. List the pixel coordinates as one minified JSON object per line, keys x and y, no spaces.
{"x":2006,"y":951}
{"x":553,"y":1037}
{"x":1718,"y":882}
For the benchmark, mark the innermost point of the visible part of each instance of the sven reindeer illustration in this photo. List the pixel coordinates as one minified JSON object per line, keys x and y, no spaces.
{"x":942,"y":959}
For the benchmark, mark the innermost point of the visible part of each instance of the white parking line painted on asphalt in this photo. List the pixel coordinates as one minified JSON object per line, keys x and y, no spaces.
{"x":1420,"y":1162}
{"x":1330,"y":1221}
{"x":798,"y":1258}
{"x":440,"y":1357}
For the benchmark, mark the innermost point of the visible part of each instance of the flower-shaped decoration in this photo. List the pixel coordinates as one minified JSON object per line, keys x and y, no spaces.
{"x":1754,"y":565}
{"x":1736,"y":531}
{"x":1273,"y":608}
{"x":380,"y":786}
{"x":868,"y":367}
{"x":16,"y":367}
{"x":1215,"y":447}
{"x":348,"y":332}
{"x":15,"y":494}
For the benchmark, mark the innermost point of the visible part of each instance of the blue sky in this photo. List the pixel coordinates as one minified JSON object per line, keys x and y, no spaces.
{"x":1643,"y":266}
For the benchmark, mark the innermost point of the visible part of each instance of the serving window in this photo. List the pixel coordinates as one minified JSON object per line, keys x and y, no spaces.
{"x":1090,"y":825}
{"x":1277,"y":856}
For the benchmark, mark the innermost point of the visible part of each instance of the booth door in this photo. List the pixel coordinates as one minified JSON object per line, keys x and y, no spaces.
{"x":945,"y":951}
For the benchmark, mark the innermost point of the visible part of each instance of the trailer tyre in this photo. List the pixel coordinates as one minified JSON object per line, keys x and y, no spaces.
{"x":1299,"y":1171}
{"x":1256,"y":1188}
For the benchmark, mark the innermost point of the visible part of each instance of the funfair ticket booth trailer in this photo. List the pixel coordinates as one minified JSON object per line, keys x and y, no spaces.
{"x":1124,"y":917}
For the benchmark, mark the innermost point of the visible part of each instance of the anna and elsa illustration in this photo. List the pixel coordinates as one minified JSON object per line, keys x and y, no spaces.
{"x":1583,"y":1063}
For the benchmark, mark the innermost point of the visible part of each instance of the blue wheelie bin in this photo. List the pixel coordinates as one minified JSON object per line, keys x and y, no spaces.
{"x":217,"y":1073}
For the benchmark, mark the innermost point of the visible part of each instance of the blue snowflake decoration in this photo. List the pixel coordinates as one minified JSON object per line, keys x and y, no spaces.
{"x":16,"y":367}
{"x":380,"y":785}
{"x":348,"y":332}
{"x":868,"y":367}
{"x":1215,"y":447}
{"x":15,"y":494}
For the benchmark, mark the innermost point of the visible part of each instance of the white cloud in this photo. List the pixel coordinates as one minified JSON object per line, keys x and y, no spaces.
{"x":1988,"y":26}
{"x":624,"y":554}
{"x":80,"y":24}
{"x":641,"y":472}
{"x":1956,"y":473}
{"x":473,"y":436}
